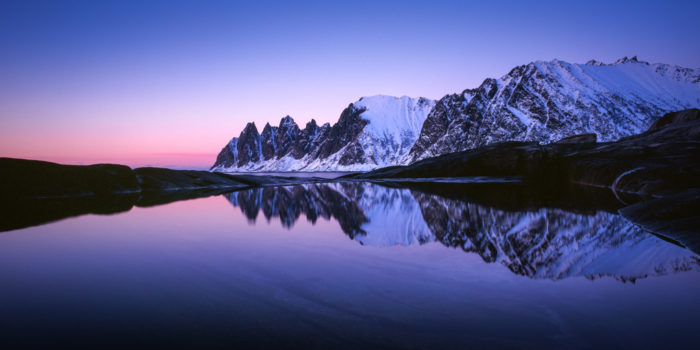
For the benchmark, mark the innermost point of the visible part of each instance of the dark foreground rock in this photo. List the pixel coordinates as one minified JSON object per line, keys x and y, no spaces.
{"x":36,"y":192}
{"x":21,"y":178}
{"x":582,"y":138}
{"x":33,"y":178}
{"x":161,"y":179}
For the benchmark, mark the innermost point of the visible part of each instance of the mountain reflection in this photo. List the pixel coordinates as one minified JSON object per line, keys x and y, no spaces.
{"x":546,"y":242}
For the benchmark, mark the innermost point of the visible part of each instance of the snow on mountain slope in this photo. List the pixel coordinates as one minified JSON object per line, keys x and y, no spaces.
{"x":398,"y":120}
{"x":372,"y":132}
{"x":547,"y":101}
{"x":541,"y":101}
{"x":394,"y":125}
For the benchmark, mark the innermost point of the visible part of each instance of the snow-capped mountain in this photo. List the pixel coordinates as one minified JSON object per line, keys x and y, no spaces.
{"x":546,"y":243}
{"x":547,"y":101}
{"x":540,"y":101}
{"x":372,"y":132}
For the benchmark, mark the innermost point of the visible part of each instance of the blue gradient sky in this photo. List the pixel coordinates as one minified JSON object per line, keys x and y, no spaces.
{"x":168,"y":83}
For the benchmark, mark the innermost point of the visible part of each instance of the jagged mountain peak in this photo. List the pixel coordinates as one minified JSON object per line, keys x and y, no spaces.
{"x":548,"y":100}
{"x":594,"y":63}
{"x":250,"y":127}
{"x":624,"y":60}
{"x":373,"y":131}
{"x":541,"y":101}
{"x":287,"y":120}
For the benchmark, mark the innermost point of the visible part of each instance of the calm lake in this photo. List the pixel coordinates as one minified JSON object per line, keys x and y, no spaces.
{"x":350,"y":265}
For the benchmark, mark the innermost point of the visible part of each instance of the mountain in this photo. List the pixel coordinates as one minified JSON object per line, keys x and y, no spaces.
{"x":548,"y":101}
{"x":540,"y":101}
{"x":372,"y":132}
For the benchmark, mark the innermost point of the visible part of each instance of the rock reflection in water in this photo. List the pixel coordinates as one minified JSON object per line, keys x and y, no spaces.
{"x":546,"y":243}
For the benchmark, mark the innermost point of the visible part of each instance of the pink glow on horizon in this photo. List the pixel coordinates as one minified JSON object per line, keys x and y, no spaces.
{"x":166,"y":160}
{"x":125,"y":83}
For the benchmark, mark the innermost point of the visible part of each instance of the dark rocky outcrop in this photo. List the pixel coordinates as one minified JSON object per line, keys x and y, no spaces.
{"x":33,"y":178}
{"x":286,"y":137}
{"x":268,"y":139}
{"x":583,"y":138}
{"x":162,"y":179}
{"x":349,"y":126}
{"x":308,"y":139}
{"x":678,"y":117}
{"x":249,"y":147}
{"x":36,"y":192}
{"x":228,"y":155}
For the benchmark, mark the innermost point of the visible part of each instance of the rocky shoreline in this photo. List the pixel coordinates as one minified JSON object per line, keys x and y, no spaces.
{"x":36,"y":192}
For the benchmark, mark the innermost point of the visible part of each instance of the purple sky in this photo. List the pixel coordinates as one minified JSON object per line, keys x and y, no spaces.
{"x":169,"y":83}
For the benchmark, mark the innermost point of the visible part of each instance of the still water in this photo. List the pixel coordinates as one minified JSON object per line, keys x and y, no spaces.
{"x":348,"y":265}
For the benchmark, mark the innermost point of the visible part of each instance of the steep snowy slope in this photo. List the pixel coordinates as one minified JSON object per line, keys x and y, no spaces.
{"x":547,"y":101}
{"x":372,"y":132}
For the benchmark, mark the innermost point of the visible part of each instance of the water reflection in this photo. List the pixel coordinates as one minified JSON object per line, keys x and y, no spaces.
{"x":537,"y":242}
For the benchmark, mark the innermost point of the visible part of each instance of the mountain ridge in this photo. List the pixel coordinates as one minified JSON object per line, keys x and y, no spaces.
{"x":542,"y":101}
{"x":371,"y":132}
{"x":547,"y":101}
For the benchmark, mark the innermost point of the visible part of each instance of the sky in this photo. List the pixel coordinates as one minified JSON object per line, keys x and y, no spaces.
{"x":170,"y":83}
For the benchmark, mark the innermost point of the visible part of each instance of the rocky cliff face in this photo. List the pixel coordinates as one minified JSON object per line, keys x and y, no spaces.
{"x":548,"y":101}
{"x":309,"y":139}
{"x":372,"y":132}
